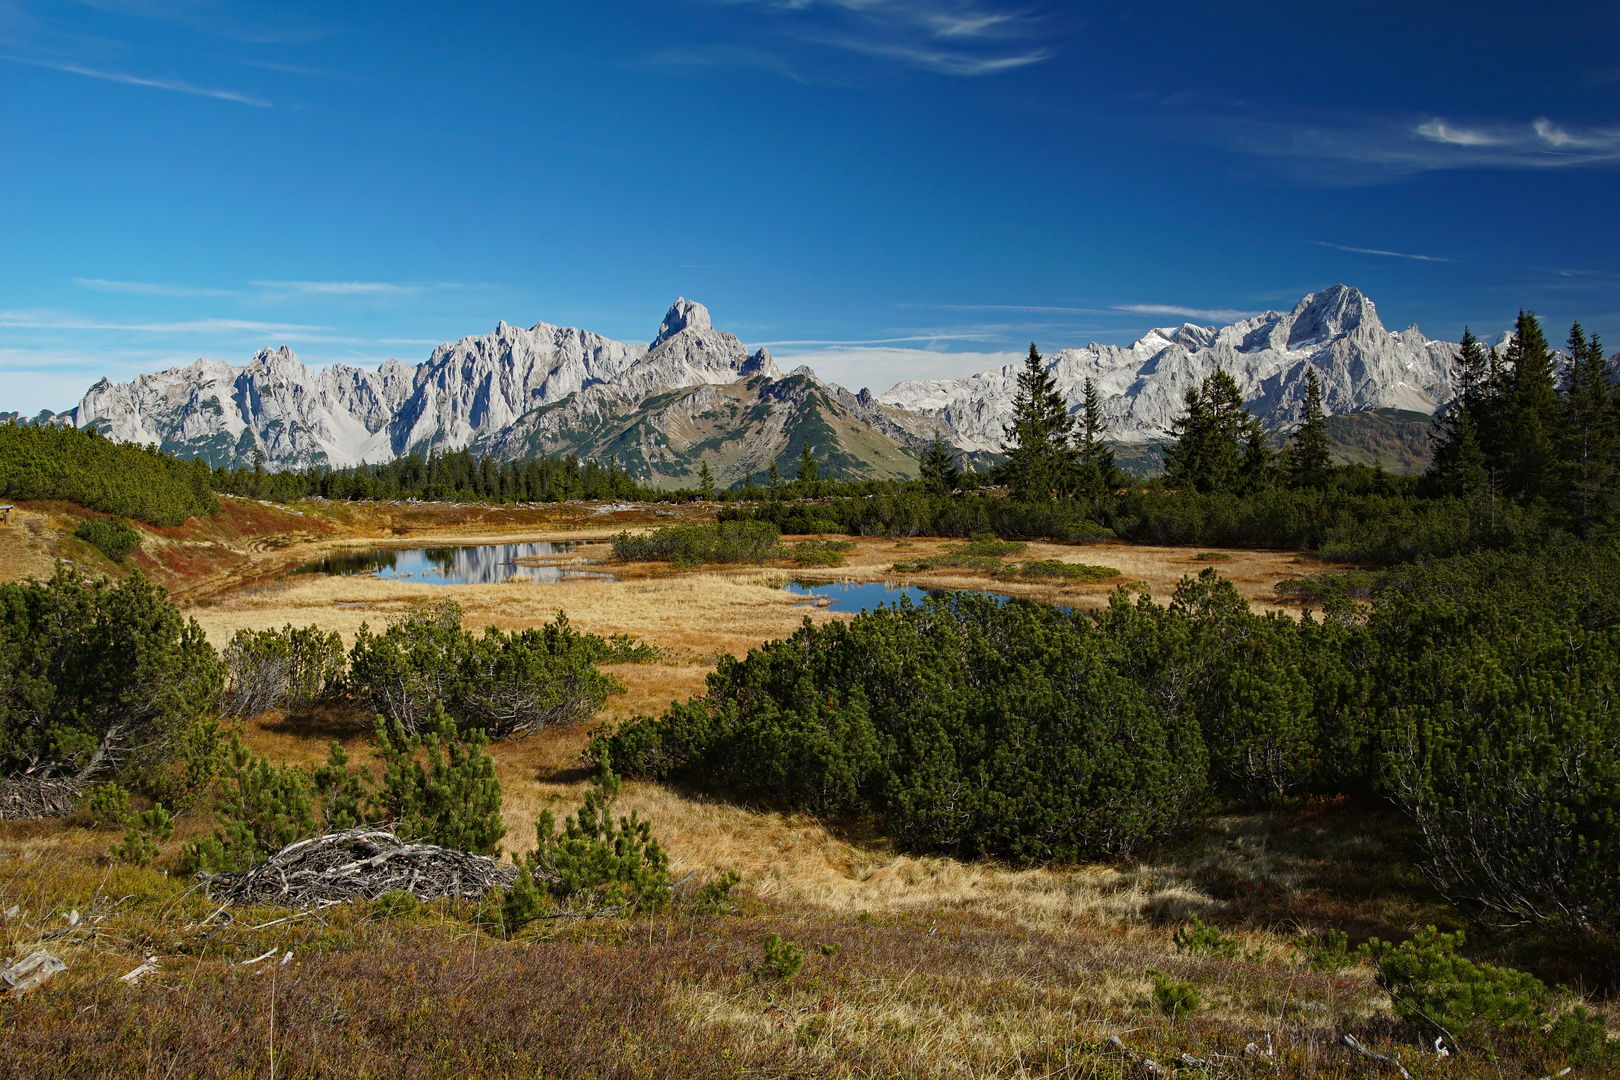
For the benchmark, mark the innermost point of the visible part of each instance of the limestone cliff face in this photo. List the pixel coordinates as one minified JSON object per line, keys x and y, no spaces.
{"x":1143,"y":386}
{"x":698,"y":394}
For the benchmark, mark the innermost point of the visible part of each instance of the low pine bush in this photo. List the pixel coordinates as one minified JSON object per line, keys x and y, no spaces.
{"x":143,"y":833}
{"x":281,"y":669}
{"x":1173,"y":997}
{"x":1196,"y":939}
{"x":689,"y":545}
{"x":1445,"y":994}
{"x":260,"y":810}
{"x":504,"y":684}
{"x":113,"y":537}
{"x":453,"y":801}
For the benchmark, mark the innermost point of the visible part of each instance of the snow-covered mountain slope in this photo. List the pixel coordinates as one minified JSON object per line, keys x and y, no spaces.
{"x":1143,"y":387}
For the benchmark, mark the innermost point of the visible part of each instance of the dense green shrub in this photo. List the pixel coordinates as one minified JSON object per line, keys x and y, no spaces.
{"x":1495,"y":685}
{"x":729,"y":541}
{"x":1446,"y":994}
{"x":971,"y":726}
{"x":505,"y":684}
{"x":113,"y":537}
{"x":47,"y":462}
{"x":280,"y":669}
{"x":98,"y":679}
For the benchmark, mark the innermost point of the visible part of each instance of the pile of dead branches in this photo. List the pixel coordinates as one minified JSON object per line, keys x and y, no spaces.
{"x":359,"y":864}
{"x":38,"y":797}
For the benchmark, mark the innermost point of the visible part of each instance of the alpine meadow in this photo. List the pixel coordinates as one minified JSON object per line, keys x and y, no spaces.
{"x":1046,"y":620}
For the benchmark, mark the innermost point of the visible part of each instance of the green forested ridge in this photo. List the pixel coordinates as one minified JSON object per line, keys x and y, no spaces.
{"x":48,"y":462}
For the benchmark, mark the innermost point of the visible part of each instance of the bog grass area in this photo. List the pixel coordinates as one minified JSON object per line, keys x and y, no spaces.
{"x":911,"y":964}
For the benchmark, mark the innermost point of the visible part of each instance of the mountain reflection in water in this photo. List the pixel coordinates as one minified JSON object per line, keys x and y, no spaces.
{"x":483,"y":564}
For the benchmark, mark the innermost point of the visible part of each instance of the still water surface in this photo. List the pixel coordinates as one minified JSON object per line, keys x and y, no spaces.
{"x":481,"y":564}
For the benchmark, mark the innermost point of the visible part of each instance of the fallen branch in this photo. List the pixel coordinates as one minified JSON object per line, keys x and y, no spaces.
{"x":1353,"y":1043}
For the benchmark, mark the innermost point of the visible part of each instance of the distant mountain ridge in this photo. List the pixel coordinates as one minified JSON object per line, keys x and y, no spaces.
{"x":1361,"y":365}
{"x":695,"y":394}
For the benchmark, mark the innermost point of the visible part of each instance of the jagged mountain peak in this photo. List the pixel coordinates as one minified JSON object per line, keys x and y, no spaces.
{"x":683,"y":314}
{"x":1335,"y":330}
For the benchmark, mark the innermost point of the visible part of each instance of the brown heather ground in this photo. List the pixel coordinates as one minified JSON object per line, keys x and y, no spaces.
{"x":933,"y":966}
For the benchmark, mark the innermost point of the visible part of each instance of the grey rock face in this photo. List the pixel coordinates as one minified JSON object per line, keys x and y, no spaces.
{"x":514,"y":391}
{"x":1361,"y":366}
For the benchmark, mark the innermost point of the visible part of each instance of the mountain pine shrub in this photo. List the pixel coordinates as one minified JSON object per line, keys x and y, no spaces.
{"x":98,"y":679}
{"x":504,"y":684}
{"x":113,"y":537}
{"x":594,"y":863}
{"x":261,"y":808}
{"x":971,"y":726}
{"x":281,"y":669}
{"x":453,"y":799}
{"x":1443,"y":993}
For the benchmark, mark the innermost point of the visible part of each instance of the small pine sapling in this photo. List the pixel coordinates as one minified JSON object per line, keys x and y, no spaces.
{"x":713,"y":898}
{"x":142,"y":835}
{"x":782,"y":960}
{"x":456,"y":801}
{"x":106,"y":805}
{"x":1196,"y":939}
{"x":596,"y":862}
{"x":262,"y":808}
{"x":1173,"y":997}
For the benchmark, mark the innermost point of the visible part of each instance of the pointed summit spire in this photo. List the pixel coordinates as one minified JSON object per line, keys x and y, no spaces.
{"x":683,"y":314}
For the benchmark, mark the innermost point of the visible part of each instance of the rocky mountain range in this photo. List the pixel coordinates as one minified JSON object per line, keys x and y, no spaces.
{"x":695,"y":393}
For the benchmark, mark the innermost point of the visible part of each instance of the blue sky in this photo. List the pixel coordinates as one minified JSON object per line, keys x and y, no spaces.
{"x":881,"y":188}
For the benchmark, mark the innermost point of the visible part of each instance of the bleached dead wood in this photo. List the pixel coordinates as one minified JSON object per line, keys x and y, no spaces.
{"x":359,"y":864}
{"x":28,"y":973}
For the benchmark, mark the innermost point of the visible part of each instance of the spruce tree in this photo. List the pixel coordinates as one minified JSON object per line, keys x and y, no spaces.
{"x":1591,"y":436}
{"x":807,"y":465}
{"x":1040,"y":460}
{"x":706,"y":482}
{"x":1458,"y":420}
{"x":939,"y":468}
{"x":776,"y":477}
{"x":1308,"y":462}
{"x":1535,"y":413}
{"x":1096,"y":474}
{"x":1219,"y":444}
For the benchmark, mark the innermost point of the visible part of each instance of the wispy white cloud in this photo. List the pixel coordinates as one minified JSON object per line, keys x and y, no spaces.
{"x":950,"y":37}
{"x":1379,"y":251}
{"x":37,"y":320}
{"x":140,"y":80}
{"x":343,"y":288}
{"x":148,"y":288}
{"x":1441,"y":132}
{"x":1218,"y":314}
{"x":1349,"y":150}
